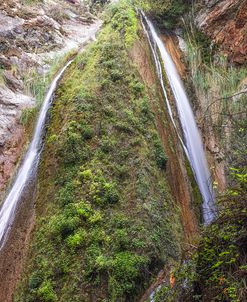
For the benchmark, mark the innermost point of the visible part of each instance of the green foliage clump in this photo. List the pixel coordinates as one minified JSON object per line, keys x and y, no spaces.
{"x":77,"y":239}
{"x":167,"y":13}
{"x":46,"y":292}
{"x":160,"y":155}
{"x":123,"y":18}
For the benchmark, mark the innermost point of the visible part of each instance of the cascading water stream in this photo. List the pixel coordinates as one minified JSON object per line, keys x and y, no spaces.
{"x":192,"y":143}
{"x":28,"y":167}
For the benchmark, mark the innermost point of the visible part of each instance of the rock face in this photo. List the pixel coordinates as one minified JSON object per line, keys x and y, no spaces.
{"x":31,"y":37}
{"x":225,"y":22}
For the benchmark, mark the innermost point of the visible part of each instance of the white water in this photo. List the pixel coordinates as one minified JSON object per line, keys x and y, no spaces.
{"x":192,"y":140}
{"x":28,"y":167}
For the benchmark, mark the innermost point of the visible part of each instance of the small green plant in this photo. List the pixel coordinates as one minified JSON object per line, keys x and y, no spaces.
{"x":46,"y":292}
{"x":27,"y":114}
{"x":160,"y":155}
{"x":77,"y":239}
{"x":87,"y":132}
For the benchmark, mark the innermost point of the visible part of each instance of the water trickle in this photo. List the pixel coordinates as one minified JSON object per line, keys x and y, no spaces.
{"x":192,"y":142}
{"x":28,"y":167}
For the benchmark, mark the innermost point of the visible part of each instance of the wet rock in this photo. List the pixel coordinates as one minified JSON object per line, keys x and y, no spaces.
{"x":8,"y":98}
{"x":4,"y":46}
{"x":74,"y":1}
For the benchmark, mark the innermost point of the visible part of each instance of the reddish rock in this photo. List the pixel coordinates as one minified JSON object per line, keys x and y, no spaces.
{"x":225,"y":22}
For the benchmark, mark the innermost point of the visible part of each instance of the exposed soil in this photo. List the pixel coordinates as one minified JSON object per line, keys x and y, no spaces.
{"x":9,"y":159}
{"x":171,"y":45}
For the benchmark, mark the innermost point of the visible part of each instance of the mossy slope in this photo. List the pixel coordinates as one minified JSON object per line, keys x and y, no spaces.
{"x":105,"y":218}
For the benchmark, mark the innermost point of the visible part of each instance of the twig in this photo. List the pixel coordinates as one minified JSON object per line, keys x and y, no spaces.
{"x":231,"y":96}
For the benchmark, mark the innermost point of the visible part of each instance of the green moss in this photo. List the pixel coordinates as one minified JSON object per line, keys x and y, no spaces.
{"x":46,"y":292}
{"x":122,"y":17}
{"x":197,"y":197}
{"x":167,"y":13}
{"x":106,"y":221}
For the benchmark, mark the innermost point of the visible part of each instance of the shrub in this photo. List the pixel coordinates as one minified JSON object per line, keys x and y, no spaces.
{"x":46,"y":292}
{"x":35,"y":280}
{"x":78,"y":239}
{"x":110,"y":193}
{"x":52,"y":139}
{"x":105,"y":193}
{"x":87,"y":132}
{"x":84,"y":209}
{"x":160,"y":155}
{"x":137,"y":87}
{"x":63,"y":225}
{"x":66,"y":194}
{"x":107,"y":144}
{"x":86,"y":175}
{"x":27,"y":114}
{"x":125,"y":267}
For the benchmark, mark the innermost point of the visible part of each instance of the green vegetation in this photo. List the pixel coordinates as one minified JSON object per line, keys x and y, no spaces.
{"x":123,"y":19}
{"x":197,"y":197}
{"x":217,"y":270}
{"x":219,"y":86}
{"x":36,"y":85}
{"x":208,"y":73}
{"x":106,"y":221}
{"x":167,"y":13}
{"x":1,"y":76}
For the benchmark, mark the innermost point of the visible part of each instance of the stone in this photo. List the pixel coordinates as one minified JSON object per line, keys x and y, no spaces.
{"x":4,"y":63}
{"x":225,"y":23}
{"x":12,"y":82}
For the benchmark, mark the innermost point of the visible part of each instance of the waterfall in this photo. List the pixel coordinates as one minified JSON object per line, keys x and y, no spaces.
{"x":29,"y":165}
{"x":192,"y":142}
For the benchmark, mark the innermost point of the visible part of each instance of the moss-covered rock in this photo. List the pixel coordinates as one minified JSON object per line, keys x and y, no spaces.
{"x":105,"y":218}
